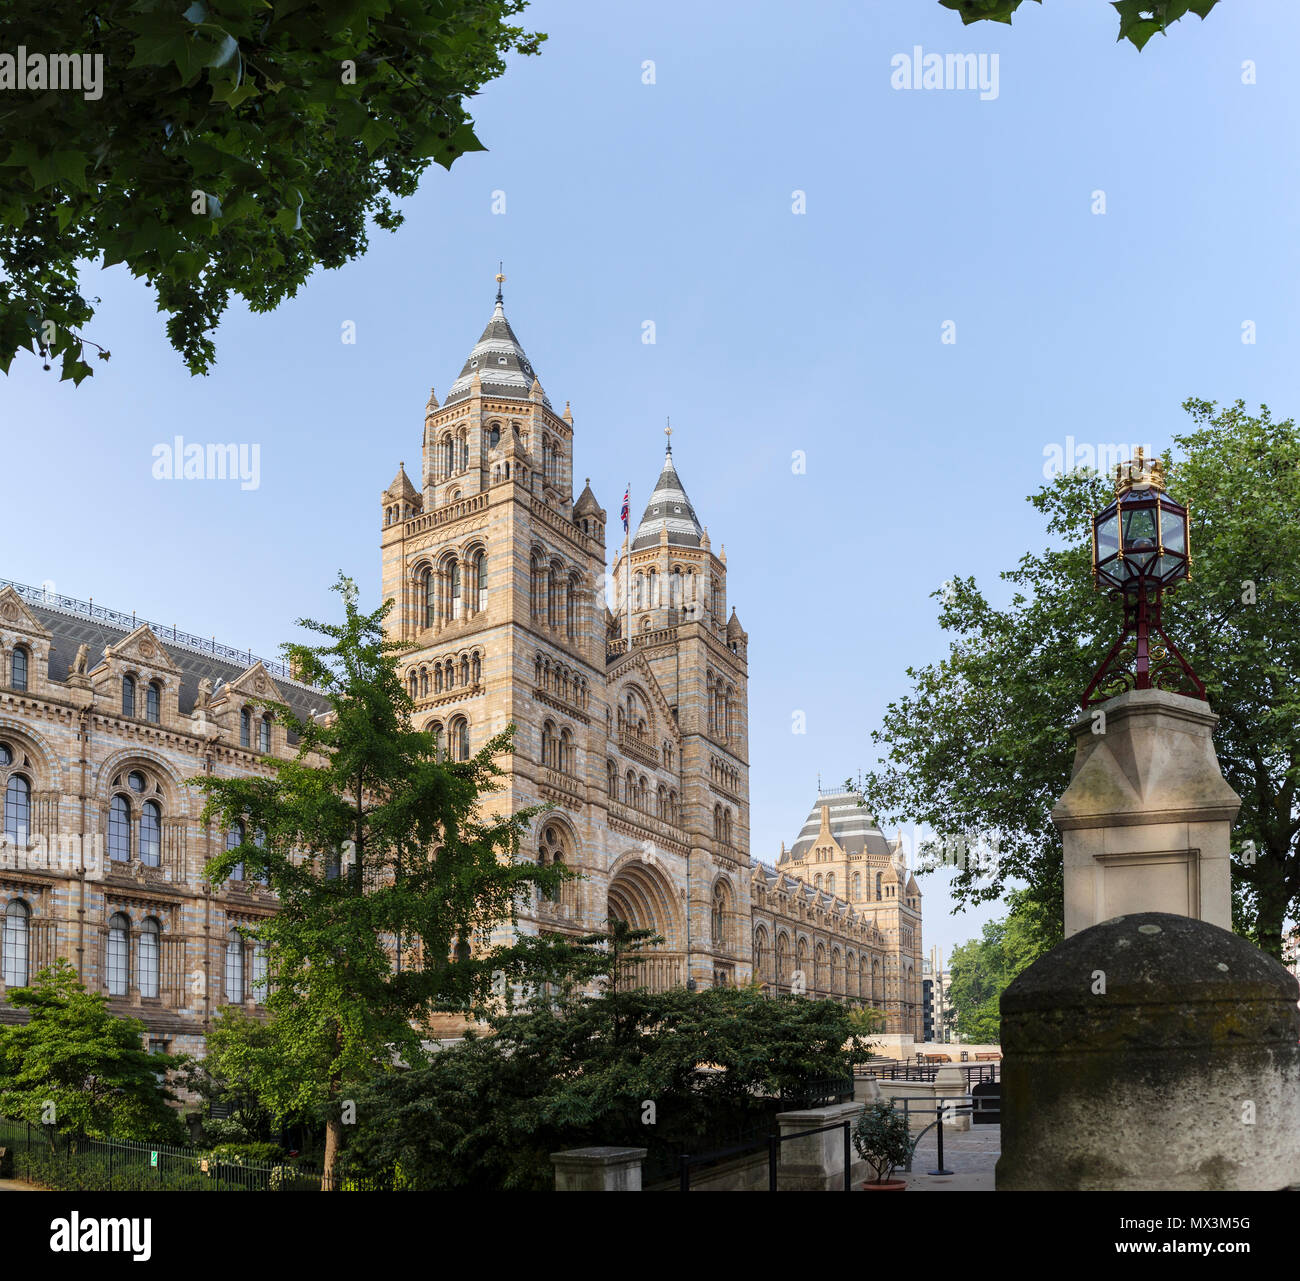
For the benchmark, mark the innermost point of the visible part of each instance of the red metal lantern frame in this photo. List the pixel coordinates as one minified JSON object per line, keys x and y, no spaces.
{"x":1155,"y":662}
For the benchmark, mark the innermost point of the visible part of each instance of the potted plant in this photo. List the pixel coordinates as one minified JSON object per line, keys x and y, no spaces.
{"x":883,"y":1142}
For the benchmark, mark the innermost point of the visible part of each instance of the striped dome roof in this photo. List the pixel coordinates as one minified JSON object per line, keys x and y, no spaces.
{"x":500,"y":362}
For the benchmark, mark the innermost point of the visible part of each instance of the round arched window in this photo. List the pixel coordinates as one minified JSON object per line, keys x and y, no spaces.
{"x":135,"y":781}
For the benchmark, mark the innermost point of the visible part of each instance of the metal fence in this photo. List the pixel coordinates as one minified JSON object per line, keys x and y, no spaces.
{"x":688,"y":1161}
{"x":904,"y":1070}
{"x":68,"y":1163}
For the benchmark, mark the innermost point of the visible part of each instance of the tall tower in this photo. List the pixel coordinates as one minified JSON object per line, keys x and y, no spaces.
{"x":670,"y":621}
{"x":639,"y":750}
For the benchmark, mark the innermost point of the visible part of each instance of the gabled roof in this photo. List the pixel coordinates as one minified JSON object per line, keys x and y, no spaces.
{"x":499,"y":360}
{"x":670,"y":509}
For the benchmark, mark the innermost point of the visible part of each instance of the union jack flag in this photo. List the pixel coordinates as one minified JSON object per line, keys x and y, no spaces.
{"x":627,"y":498}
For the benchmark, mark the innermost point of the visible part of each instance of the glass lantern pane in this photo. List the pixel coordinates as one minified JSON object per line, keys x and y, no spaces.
{"x":1173,"y":528}
{"x":1139,"y":528}
{"x":1107,"y":536}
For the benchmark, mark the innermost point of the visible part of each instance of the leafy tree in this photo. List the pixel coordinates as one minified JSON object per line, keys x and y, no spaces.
{"x":1139,"y":20}
{"x":229,"y":148}
{"x":672,"y":1071}
{"x":81,"y":1070}
{"x":981,"y":969}
{"x":385,"y":868}
{"x":981,"y":747}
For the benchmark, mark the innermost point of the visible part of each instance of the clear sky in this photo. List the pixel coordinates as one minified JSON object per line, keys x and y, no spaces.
{"x":776,"y":331}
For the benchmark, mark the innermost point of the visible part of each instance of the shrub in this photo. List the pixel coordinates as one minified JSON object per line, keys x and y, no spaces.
{"x":882,"y":1139}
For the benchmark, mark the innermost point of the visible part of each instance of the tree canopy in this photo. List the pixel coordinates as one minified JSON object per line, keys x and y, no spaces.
{"x":980,"y":746}
{"x":225,"y":148}
{"x":390,"y":873}
{"x":1139,"y":20}
{"x":79,"y":1069}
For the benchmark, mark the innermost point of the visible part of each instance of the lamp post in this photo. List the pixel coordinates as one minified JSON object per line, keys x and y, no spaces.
{"x":1141,"y":548}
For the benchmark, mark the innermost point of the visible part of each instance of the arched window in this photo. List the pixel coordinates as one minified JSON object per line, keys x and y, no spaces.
{"x":448,"y":457}
{"x":719,"y":916}
{"x":552,"y":851}
{"x":476,"y":668}
{"x":18,"y":668}
{"x":548,"y":745}
{"x":245,"y":727}
{"x":413,"y":685}
{"x":830,"y":883}
{"x":264,"y":735}
{"x":234,"y":839}
{"x":149,"y":840}
{"x":857,"y":885}
{"x":817,"y":881}
{"x":118,"y":962}
{"x":15,"y":948}
{"x":566,"y":751}
{"x":119,"y":829}
{"x":453,"y":588}
{"x":439,"y":740}
{"x":128,"y":695}
{"x":571,"y":608}
{"x":259,"y":839}
{"x":424,"y":680}
{"x":153,"y":703}
{"x":629,"y":789}
{"x":147,"y":958}
{"x":234,"y":967}
{"x":430,"y":598}
{"x":878,"y":894}
{"x":464,"y":669}
{"x":638,"y":590}
{"x":18,"y":809}
{"x":478,"y":585}
{"x":494,"y":436}
{"x":535,"y":584}
{"x":258,"y":973}
{"x":460,"y":739}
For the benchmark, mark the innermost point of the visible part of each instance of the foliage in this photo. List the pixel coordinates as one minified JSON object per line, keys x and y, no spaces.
{"x":981,"y":969}
{"x":233,"y":146}
{"x":866,"y":1023}
{"x":881,"y":1138}
{"x":249,"y":1153}
{"x":672,"y":1071}
{"x":982,"y":746}
{"x":90,"y":1067}
{"x":1139,"y":20}
{"x":385,"y":869}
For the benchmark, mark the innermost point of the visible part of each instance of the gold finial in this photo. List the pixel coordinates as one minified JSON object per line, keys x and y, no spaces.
{"x":501,"y":279}
{"x":1140,"y":473}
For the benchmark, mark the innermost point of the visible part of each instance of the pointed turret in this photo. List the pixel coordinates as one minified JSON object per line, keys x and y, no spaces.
{"x":499,"y":361}
{"x":401,"y":490}
{"x":668,"y":510}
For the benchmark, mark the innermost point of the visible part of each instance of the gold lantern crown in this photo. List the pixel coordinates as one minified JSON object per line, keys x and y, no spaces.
{"x":1139,"y":473}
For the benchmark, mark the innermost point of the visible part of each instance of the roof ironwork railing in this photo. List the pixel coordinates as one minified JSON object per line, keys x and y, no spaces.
{"x":129,"y":622}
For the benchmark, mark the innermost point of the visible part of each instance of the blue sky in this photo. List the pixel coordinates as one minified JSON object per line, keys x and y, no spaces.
{"x":775,"y":332}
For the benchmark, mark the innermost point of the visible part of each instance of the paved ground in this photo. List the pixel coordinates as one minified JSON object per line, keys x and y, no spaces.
{"x":13,"y":1185}
{"x":970,"y":1155}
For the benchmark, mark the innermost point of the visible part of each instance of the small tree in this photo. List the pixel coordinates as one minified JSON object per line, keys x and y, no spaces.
{"x":387,"y":871}
{"x":78,"y":1069}
{"x":881,"y":1137}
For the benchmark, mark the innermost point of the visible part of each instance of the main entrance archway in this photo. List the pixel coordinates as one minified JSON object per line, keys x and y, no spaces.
{"x":641,"y":895}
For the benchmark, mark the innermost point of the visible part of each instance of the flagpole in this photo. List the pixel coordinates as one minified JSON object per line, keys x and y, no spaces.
{"x":627,"y":564}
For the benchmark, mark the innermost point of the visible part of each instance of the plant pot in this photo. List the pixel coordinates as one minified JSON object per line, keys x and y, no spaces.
{"x":889,"y":1185}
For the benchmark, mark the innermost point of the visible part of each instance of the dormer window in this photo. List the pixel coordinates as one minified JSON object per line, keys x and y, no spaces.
{"x":18,"y":668}
{"x":501,"y":360}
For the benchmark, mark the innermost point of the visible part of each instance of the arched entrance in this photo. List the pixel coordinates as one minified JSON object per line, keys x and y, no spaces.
{"x":641,"y":894}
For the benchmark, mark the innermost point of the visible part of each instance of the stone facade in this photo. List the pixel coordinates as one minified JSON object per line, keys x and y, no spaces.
{"x":101,"y":723}
{"x":630,"y":707}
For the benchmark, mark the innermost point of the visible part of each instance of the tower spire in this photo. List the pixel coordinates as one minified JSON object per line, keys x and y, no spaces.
{"x":501,"y":279}
{"x":668,"y":431}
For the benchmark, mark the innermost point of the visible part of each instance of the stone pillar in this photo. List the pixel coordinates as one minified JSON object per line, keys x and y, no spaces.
{"x":1151,"y":1052}
{"x":815,"y":1163}
{"x":1146,"y":821}
{"x":598,"y":1169}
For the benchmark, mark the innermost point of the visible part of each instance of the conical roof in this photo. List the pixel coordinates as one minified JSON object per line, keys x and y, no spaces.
{"x":668,"y":507}
{"x":500,"y":362}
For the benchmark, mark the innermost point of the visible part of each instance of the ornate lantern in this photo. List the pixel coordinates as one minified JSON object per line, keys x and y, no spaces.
{"x":1141,"y":547}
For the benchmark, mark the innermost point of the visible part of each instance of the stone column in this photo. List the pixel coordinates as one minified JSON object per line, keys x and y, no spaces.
{"x":1146,"y":821}
{"x":605,"y":1169}
{"x":1151,"y":1052}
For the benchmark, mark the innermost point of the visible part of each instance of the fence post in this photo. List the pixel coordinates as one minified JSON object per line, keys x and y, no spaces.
{"x":848,"y":1164}
{"x":773,"y":1152}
